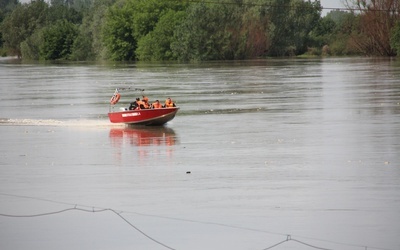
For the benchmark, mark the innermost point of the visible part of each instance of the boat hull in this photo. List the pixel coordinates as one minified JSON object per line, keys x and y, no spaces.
{"x":147,"y":117}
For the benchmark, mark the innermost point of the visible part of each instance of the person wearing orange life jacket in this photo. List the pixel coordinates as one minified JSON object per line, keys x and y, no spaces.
{"x":169,"y":103}
{"x":156,"y":105}
{"x":140,"y":103}
{"x":145,"y":101}
{"x":135,"y":105}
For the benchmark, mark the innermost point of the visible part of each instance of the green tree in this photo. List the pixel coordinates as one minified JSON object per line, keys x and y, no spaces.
{"x":323,"y":32}
{"x":147,"y":13}
{"x":82,"y":48}
{"x":63,"y":10}
{"x":338,"y":16}
{"x":89,"y":44}
{"x":346,"y":25}
{"x":129,"y":21}
{"x":291,"y":24}
{"x":6,"y":7}
{"x":395,"y":38}
{"x":58,"y":40}
{"x":30,"y":48}
{"x":118,"y":33}
{"x":249,"y":31}
{"x":206,"y":33}
{"x":156,"y":45}
{"x":22,"y":23}
{"x":63,"y":22}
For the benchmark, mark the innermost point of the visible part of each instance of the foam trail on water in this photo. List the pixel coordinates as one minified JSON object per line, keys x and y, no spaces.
{"x":30,"y":122}
{"x":53,"y":122}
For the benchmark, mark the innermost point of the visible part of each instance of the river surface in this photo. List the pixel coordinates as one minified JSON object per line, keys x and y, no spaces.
{"x":268,"y":154}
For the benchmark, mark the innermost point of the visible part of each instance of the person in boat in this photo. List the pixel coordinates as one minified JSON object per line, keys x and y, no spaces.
{"x":137,"y":104}
{"x":169,"y":103}
{"x":133,"y":105}
{"x":156,"y":105}
{"x":145,"y":102}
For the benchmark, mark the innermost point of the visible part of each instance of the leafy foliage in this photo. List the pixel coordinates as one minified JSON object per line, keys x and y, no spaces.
{"x":30,"y":48}
{"x":128,"y":30}
{"x":291,"y":24}
{"x":156,"y":45}
{"x":395,"y":38}
{"x":375,"y":23}
{"x":88,"y":44}
{"x":6,"y":7}
{"x":22,"y":23}
{"x":61,"y":10}
{"x":202,"y":35}
{"x":221,"y":32}
{"x":147,"y":13}
{"x":118,"y":33}
{"x":323,"y":33}
{"x":58,"y":40}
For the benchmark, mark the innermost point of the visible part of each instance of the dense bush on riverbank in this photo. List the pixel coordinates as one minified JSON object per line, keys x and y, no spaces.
{"x":128,"y":30}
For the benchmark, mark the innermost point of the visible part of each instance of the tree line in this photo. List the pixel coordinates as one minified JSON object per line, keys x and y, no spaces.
{"x":188,"y":30}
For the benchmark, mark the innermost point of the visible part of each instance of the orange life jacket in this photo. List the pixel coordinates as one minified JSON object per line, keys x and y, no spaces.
{"x":140,"y":104}
{"x":157,"y":105}
{"x":169,"y":103}
{"x":146,"y":105}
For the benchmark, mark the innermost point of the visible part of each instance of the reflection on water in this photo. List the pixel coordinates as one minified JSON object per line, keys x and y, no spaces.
{"x":143,"y":136}
{"x":145,"y":141}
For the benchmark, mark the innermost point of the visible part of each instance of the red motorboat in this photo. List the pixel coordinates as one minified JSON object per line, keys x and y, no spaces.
{"x":140,"y":116}
{"x":148,"y":117}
